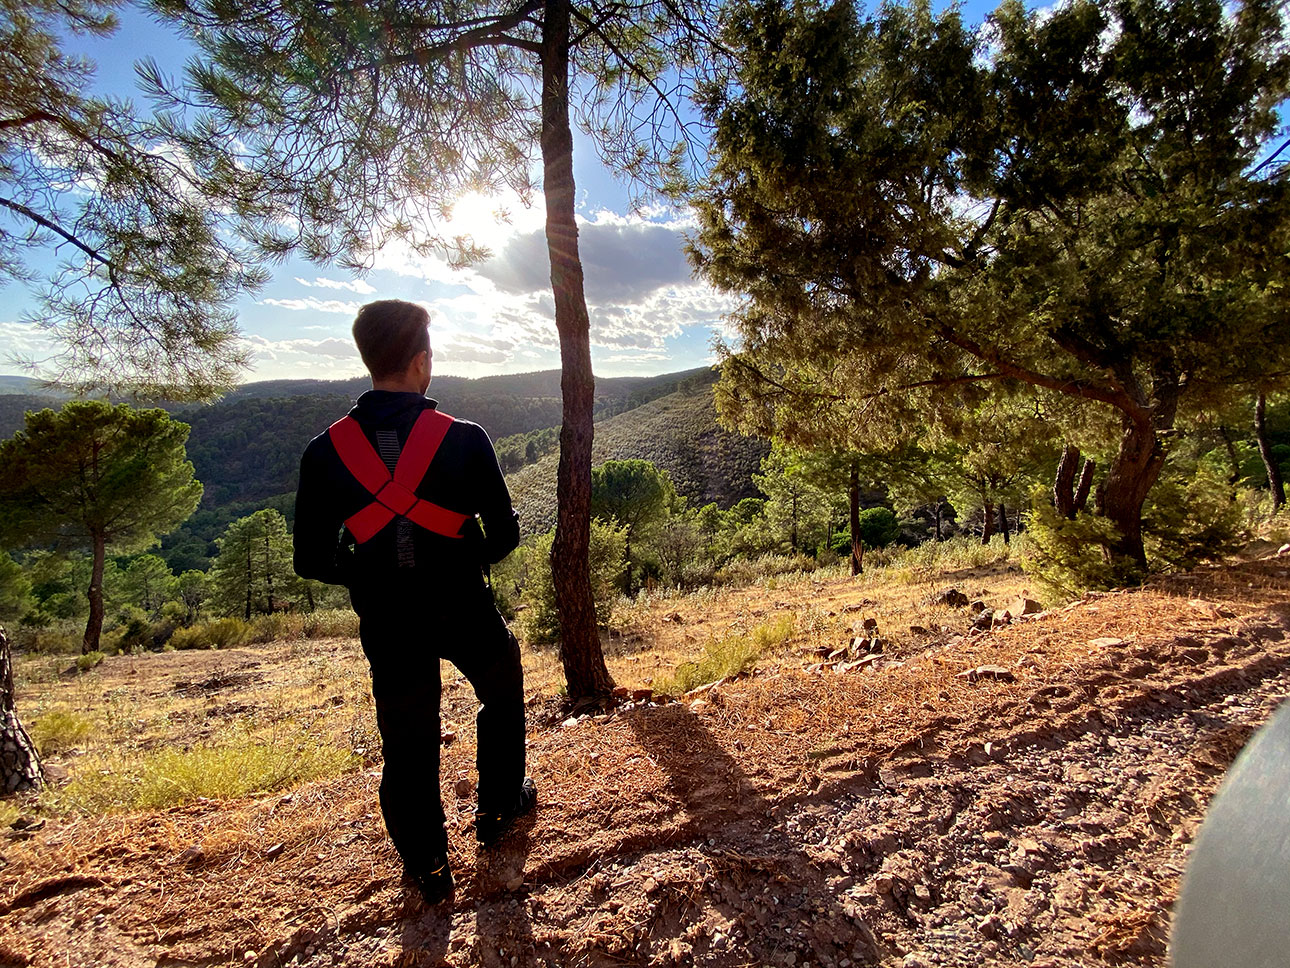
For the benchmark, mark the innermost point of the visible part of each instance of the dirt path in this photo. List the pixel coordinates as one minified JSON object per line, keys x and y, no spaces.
{"x":1038,"y":812}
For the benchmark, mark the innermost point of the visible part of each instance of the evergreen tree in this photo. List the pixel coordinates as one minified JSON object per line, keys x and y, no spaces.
{"x":1072,"y":201}
{"x":141,"y":297}
{"x":193,"y":588}
{"x":15,"y":591}
{"x":148,"y":583}
{"x":93,"y":476}
{"x":253,"y":574}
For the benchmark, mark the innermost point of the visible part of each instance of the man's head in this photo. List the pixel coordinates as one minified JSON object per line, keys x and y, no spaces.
{"x":391,"y":335}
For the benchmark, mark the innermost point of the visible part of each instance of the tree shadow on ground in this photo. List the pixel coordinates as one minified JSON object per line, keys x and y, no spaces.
{"x":762,"y":878}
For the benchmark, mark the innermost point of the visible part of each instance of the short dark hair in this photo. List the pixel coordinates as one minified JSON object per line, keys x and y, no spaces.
{"x":389,"y":333}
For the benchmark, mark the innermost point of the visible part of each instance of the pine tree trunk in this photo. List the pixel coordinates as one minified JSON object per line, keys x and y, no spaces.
{"x":1232,"y":456}
{"x":987,"y":529}
{"x":853,"y":495}
{"x":1265,"y":451}
{"x":19,"y":761}
{"x":1003,"y":522}
{"x":1064,"y":485}
{"x":938,"y":506}
{"x":94,"y":627}
{"x":1085,"y":484}
{"x":249,"y":573}
{"x":1133,"y":471}
{"x":580,"y":651}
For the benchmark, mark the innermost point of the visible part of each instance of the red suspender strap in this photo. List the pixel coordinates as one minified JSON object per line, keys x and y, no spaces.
{"x":395,"y":495}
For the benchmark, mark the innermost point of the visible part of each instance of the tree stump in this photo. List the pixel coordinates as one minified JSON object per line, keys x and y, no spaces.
{"x":19,"y":761}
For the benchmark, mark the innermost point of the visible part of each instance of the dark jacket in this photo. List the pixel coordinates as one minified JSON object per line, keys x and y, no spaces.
{"x":463,"y":477}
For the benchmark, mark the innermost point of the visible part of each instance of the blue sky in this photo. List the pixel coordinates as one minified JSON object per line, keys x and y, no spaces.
{"x":648,"y":314}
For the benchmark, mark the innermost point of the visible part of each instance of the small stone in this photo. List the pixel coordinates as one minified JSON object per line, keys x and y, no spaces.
{"x":984,"y":622}
{"x":884,"y":883}
{"x":988,"y":672}
{"x":193,"y":855}
{"x":250,"y":956}
{"x":275,"y":851}
{"x":952,"y":597}
{"x":641,"y":695}
{"x":1026,"y":606}
{"x":918,"y":630}
{"x":1105,"y":643}
{"x":1000,"y":619}
{"x":464,"y":787}
{"x":989,"y":926}
{"x":621,"y":692}
{"x":977,"y":607}
{"x":869,"y":624}
{"x":515,"y":883}
{"x":651,"y":885}
{"x":1283,"y":550}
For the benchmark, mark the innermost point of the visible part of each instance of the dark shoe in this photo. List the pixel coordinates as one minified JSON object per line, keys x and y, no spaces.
{"x":490,"y":827}
{"x":434,"y":884}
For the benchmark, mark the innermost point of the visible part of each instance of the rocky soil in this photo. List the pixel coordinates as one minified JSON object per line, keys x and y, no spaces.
{"x":1022,"y":795}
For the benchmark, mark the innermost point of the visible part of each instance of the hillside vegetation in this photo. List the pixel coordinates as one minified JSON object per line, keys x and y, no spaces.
{"x":678,"y":433}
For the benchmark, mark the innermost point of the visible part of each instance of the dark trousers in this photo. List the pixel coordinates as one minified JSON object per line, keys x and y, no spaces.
{"x":406,"y":625}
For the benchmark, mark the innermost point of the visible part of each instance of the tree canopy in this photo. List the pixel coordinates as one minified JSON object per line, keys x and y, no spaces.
{"x":92,"y":477}
{"x":143,"y":272}
{"x":922,"y":214}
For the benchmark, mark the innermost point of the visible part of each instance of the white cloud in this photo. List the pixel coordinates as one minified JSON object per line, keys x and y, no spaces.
{"x":311,"y":304}
{"x":360,"y":286}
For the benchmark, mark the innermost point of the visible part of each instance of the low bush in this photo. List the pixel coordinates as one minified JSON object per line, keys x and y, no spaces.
{"x":221,"y":633}
{"x":330,"y":623}
{"x":727,"y":656}
{"x":62,"y":638}
{"x":88,"y":660}
{"x":59,"y":729}
{"x":748,"y":571}
{"x":539,"y":621}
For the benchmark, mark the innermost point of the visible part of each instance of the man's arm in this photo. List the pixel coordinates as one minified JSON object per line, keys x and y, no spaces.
{"x":501,"y":522}
{"x":316,"y":535}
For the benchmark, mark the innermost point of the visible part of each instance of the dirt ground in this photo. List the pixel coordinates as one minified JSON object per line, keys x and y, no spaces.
{"x":1025,"y":795}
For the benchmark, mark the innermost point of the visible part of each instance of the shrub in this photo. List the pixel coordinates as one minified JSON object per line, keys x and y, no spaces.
{"x":60,"y":728}
{"x":222,"y":633}
{"x":1066,"y":556}
{"x":608,"y":545}
{"x":330,"y":623}
{"x":724,"y":657}
{"x":63,"y":638}
{"x":746,"y":571}
{"x":1186,"y":522}
{"x":86,"y":662}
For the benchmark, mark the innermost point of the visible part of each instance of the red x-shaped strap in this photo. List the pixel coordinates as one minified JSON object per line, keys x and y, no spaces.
{"x":395,"y":495}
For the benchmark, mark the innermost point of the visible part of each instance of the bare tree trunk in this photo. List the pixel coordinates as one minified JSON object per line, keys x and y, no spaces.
{"x":1265,"y":451}
{"x":938,"y":506}
{"x":1085,"y":484}
{"x":94,"y":627}
{"x":1064,"y":485}
{"x":19,"y":761}
{"x":853,"y":496}
{"x":987,"y":529}
{"x":580,"y":651}
{"x":1003,"y":522}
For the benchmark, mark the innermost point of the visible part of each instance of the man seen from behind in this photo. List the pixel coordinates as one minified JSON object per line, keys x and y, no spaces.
{"x":405,"y":506}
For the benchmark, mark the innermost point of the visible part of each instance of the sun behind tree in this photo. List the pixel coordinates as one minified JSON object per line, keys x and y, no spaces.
{"x":92,"y":476}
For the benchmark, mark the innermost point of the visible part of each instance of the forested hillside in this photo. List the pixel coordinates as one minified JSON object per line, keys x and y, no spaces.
{"x":678,"y":433}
